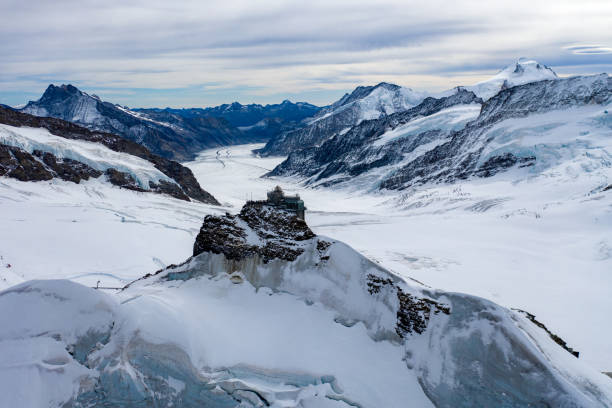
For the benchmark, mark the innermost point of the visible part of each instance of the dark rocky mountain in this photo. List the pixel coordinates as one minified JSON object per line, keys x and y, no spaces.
{"x":172,"y":133}
{"x":417,"y":146}
{"x":257,"y":123}
{"x":178,"y":140}
{"x":352,"y":153}
{"x":244,"y":115}
{"x":37,"y":165}
{"x":365,"y":102}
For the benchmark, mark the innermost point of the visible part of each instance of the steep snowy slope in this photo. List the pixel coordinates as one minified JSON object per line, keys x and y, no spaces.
{"x":365,"y":102}
{"x":522,"y":72}
{"x":239,"y":326}
{"x":176,"y":138}
{"x":375,"y":147}
{"x":35,"y":149}
{"x":535,"y":126}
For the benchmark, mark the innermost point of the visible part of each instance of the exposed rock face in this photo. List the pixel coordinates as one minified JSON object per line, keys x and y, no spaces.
{"x":183,"y":176}
{"x":365,"y":102}
{"x":21,"y":165}
{"x":353,"y":153}
{"x":278,"y":234}
{"x":413,"y":313}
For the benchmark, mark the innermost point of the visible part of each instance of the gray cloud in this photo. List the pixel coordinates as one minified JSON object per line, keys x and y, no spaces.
{"x":270,"y":48}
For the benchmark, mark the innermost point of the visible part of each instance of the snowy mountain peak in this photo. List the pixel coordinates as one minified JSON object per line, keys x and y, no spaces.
{"x":525,"y":67}
{"x":58,"y":93}
{"x":521,"y":72}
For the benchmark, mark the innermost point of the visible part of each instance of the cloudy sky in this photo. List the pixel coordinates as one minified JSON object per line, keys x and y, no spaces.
{"x":203,"y":53}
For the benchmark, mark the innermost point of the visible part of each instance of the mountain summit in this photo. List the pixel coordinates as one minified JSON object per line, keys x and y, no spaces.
{"x":521,"y":72}
{"x":364,"y":103}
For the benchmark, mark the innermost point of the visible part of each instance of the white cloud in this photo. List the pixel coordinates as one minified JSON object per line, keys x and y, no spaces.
{"x":276,"y":47}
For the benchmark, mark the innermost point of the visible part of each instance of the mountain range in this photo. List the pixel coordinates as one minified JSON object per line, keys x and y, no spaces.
{"x":176,"y":134}
{"x":529,"y":124}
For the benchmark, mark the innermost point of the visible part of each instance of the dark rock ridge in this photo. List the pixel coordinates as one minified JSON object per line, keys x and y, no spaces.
{"x":350,"y":110}
{"x":413,"y":313}
{"x":552,"y":335}
{"x":184,"y":178}
{"x":279,"y":234}
{"x":353,"y":153}
{"x":258,"y":123}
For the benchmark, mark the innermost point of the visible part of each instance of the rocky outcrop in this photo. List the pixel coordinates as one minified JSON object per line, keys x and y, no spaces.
{"x":21,"y":165}
{"x":272,"y":234}
{"x":183,"y":176}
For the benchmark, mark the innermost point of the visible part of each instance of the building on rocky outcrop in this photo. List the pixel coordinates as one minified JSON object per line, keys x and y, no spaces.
{"x":277,"y":198}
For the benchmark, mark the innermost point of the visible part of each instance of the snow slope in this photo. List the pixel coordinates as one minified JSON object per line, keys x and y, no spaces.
{"x":521,"y":72}
{"x":91,"y":231}
{"x":93,"y":154}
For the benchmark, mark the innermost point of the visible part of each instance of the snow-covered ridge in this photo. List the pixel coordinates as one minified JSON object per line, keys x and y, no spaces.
{"x":364,"y":103}
{"x":93,"y":154}
{"x":224,"y":332}
{"x":521,"y":72}
{"x":449,"y":119}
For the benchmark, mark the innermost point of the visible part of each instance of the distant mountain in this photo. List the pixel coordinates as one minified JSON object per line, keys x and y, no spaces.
{"x":177,"y":134}
{"x":378,"y":143}
{"x":373,"y":102}
{"x":531,"y":126}
{"x":256,"y":122}
{"x":521,"y":72}
{"x":179,"y":140}
{"x":36,"y":148}
{"x":365,"y":102}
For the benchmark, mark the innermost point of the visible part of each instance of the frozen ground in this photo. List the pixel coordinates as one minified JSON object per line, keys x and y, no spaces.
{"x":544,"y":245}
{"x":91,"y":232}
